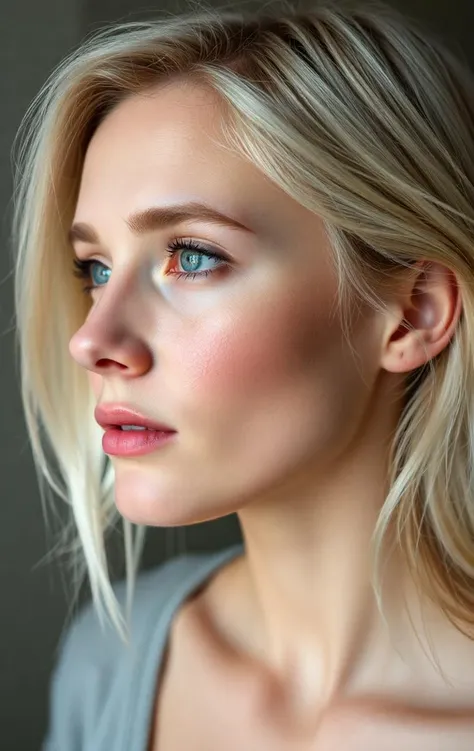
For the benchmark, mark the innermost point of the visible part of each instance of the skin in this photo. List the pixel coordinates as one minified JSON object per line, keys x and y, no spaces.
{"x":275,"y":419}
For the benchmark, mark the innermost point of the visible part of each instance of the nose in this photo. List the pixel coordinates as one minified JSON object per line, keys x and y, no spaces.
{"x":107,"y":343}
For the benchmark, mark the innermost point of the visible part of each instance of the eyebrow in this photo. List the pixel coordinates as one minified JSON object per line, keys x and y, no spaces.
{"x":160,"y":217}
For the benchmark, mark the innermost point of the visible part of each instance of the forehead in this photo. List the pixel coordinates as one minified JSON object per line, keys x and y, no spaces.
{"x":150,"y":136}
{"x":167,"y":146}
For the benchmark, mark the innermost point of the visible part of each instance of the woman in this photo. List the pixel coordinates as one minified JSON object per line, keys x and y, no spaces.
{"x":272,"y":217}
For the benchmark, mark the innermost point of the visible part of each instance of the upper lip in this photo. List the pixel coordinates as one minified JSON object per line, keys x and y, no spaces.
{"x":112,"y":415}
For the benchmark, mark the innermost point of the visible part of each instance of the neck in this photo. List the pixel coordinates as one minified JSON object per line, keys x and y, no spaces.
{"x":308,"y":566}
{"x":299,"y":607}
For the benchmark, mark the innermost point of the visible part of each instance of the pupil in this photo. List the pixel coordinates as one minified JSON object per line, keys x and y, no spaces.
{"x":194,"y":256}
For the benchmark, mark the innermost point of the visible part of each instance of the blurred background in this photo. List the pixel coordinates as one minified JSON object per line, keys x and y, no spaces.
{"x":34,"y":37}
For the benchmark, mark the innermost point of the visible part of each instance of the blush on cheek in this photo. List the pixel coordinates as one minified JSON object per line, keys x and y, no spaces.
{"x":260,"y":351}
{"x":241,"y":359}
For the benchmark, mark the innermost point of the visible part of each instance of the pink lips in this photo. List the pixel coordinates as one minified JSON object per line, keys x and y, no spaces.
{"x":118,"y":442}
{"x":111,"y":415}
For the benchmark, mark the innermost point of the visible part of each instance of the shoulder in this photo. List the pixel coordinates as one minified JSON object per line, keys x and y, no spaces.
{"x":94,"y":667}
{"x":87,"y":637}
{"x":157,"y":591}
{"x":88,"y":641}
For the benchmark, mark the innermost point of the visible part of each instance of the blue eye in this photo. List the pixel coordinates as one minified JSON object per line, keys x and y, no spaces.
{"x":190,"y":252}
{"x":85,"y":270}
{"x":197,"y":253}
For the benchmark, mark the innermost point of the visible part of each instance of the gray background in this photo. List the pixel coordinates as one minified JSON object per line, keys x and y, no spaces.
{"x":34,"y":37}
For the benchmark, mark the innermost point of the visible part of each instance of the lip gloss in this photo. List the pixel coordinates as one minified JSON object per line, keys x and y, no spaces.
{"x":119,"y":442}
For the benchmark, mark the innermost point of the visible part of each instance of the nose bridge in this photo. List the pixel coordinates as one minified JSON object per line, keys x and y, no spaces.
{"x":113,"y":329}
{"x":109,"y":313}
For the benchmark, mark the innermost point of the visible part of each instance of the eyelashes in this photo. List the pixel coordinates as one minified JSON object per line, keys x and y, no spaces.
{"x":196,"y":249}
{"x":84,"y":269}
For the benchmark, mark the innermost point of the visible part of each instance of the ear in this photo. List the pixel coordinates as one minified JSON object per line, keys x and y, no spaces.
{"x":431,"y":304}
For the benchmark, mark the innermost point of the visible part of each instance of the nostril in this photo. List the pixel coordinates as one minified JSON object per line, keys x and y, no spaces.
{"x":106,"y":363}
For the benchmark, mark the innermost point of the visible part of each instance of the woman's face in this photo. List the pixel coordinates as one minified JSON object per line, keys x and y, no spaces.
{"x":246,"y":363}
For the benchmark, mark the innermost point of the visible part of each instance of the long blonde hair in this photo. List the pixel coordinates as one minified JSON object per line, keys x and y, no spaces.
{"x":362,"y":117}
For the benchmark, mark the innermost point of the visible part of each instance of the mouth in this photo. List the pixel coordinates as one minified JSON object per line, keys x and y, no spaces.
{"x":124,"y":418}
{"x":134,"y":440}
{"x":135,"y":427}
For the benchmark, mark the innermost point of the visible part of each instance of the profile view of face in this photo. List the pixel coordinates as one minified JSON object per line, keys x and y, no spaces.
{"x":241,"y":354}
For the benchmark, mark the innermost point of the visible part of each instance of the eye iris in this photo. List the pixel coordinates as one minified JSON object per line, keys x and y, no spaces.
{"x":197,"y":258}
{"x":101,"y":270}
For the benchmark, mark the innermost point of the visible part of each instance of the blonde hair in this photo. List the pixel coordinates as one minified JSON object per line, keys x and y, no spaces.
{"x":362,"y":117}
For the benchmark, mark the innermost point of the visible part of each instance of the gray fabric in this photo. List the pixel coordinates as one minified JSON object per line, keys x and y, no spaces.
{"x":102,"y":692}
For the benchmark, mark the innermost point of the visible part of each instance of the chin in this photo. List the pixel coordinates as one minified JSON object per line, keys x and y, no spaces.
{"x":152,"y":504}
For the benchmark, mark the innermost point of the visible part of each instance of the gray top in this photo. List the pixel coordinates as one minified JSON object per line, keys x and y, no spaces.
{"x":102,"y":693}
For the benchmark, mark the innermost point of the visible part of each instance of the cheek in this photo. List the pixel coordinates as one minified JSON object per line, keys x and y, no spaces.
{"x":227,"y":363}
{"x":244,"y":356}
{"x":263,"y":392}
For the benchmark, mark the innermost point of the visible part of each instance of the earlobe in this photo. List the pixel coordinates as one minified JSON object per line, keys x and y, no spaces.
{"x":429,"y":315}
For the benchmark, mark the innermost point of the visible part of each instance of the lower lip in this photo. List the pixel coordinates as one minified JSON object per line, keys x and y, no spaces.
{"x":119,"y":442}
